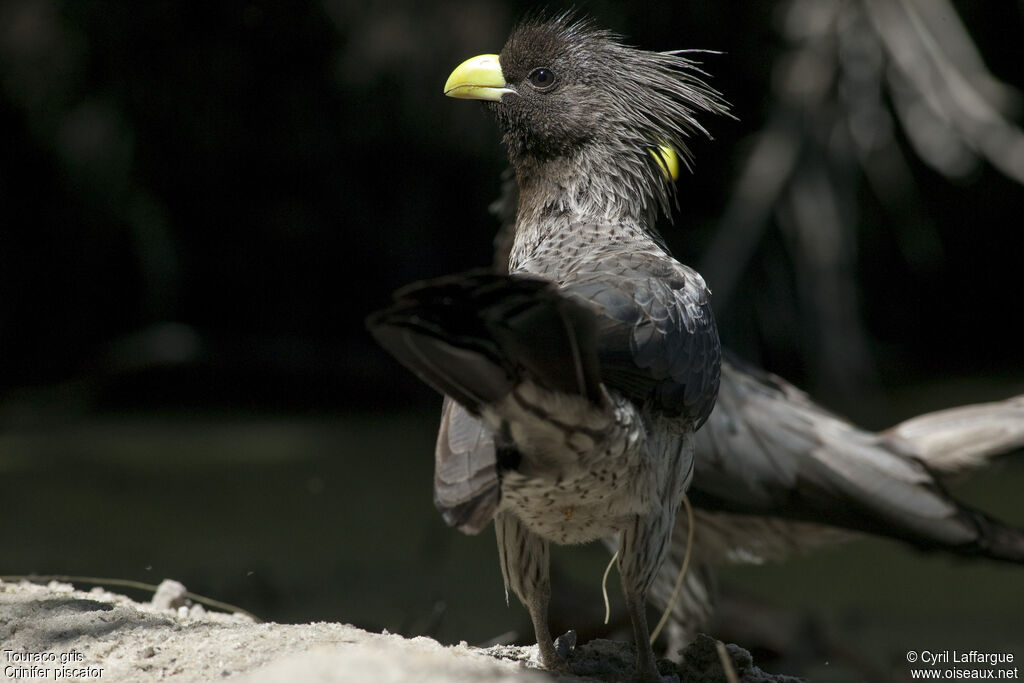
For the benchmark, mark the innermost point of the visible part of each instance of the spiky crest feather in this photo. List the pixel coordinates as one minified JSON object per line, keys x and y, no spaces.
{"x":626,"y":100}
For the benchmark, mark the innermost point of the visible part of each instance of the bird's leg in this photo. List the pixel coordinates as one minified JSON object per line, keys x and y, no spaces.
{"x":524,"y":565}
{"x":642,"y":551}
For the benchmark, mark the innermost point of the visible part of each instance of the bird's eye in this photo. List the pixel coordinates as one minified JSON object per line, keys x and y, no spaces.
{"x":542,"y":79}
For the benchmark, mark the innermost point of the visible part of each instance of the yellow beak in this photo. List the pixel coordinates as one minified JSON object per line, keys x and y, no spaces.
{"x":478,"y":78}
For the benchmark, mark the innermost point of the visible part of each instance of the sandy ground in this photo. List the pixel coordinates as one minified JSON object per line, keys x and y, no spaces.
{"x":55,"y":632}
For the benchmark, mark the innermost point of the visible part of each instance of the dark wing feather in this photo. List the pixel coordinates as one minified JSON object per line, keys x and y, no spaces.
{"x":473,"y":335}
{"x":657,"y":339}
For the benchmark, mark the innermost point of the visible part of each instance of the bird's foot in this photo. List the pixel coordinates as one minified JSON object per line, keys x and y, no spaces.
{"x":554,"y":656}
{"x":552,"y":662}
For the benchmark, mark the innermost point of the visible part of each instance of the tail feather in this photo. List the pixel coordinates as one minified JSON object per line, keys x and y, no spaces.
{"x":997,"y":540}
{"x":768,"y":450}
{"x":961,"y":439}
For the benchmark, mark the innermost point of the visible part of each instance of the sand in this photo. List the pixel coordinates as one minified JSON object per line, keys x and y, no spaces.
{"x":55,"y":632}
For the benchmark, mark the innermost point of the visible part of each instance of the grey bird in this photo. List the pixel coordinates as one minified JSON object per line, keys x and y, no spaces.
{"x":576,"y":382}
{"x":776,"y":474}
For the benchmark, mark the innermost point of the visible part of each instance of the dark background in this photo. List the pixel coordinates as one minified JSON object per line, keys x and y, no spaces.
{"x":200,"y":203}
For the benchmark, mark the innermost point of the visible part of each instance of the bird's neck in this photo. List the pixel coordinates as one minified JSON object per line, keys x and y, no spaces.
{"x":565,"y":209}
{"x":584,"y":185}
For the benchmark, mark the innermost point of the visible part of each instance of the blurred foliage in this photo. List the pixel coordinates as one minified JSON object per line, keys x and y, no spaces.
{"x":200,"y":203}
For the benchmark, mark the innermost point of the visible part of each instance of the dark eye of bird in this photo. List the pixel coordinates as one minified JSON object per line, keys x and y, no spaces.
{"x":542,"y":79}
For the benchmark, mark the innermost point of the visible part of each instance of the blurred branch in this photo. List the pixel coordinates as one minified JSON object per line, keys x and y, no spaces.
{"x":949,"y":103}
{"x":830,"y":128}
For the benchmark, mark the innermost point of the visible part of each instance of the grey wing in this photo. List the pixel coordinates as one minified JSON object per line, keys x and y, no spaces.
{"x":466,"y":484}
{"x":657,"y":338}
{"x":768,"y":450}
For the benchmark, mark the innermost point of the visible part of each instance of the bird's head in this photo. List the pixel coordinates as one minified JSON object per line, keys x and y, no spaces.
{"x":581,"y":111}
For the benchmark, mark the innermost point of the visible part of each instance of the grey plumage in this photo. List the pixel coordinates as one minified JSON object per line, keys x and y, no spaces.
{"x":765,"y":438}
{"x":801,"y":462}
{"x":767,"y":443}
{"x":764,"y":435}
{"x":774,"y":472}
{"x":531,"y":436}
